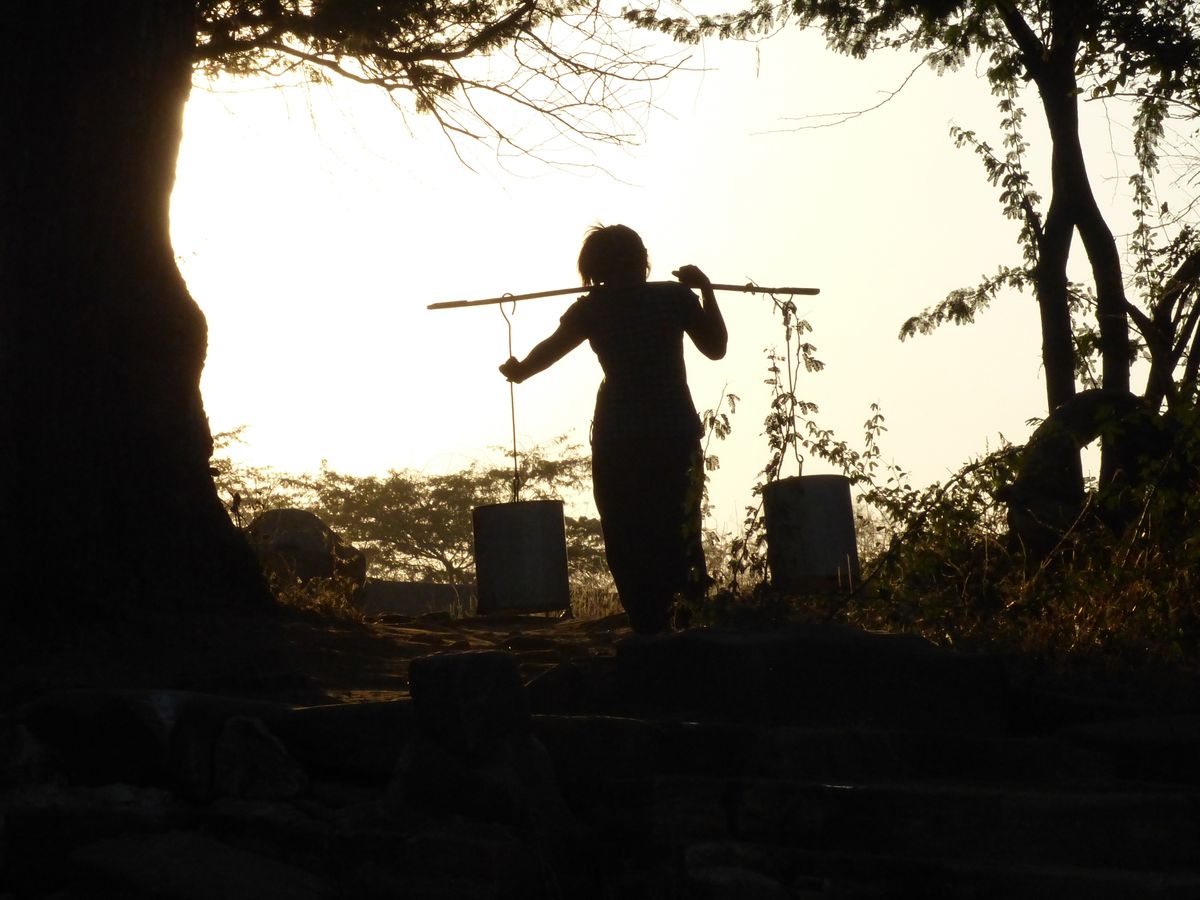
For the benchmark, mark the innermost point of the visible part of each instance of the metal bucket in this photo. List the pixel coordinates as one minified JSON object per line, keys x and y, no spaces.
{"x":520,"y":557}
{"x":811,"y":545}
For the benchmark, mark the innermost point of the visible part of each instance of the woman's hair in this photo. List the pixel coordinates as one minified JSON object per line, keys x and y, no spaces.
{"x":612,"y":252}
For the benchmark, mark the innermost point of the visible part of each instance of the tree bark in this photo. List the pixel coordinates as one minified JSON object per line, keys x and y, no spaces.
{"x":104,"y":444}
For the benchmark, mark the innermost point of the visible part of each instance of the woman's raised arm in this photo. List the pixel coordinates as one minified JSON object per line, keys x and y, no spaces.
{"x":542,"y":356}
{"x":710,"y":335}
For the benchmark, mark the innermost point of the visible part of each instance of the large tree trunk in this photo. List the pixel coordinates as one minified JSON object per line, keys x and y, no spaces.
{"x":104,"y":446}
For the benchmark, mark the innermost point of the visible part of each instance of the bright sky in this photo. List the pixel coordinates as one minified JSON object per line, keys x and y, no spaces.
{"x":314,"y":225}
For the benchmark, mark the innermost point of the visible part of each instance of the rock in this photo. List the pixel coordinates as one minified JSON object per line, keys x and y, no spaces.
{"x":811,"y":675}
{"x":467,"y":848}
{"x":727,"y":883}
{"x":295,"y":547}
{"x":361,"y":740}
{"x":175,"y":739}
{"x":474,"y":755}
{"x":584,"y":685}
{"x":41,"y":825}
{"x":100,"y":737}
{"x":468,"y":702}
{"x":283,"y":829}
{"x":513,"y":824}
{"x":23,"y":759}
{"x":250,"y":762}
{"x":725,"y":864}
{"x":1163,"y":748}
{"x":514,"y":786}
{"x":428,"y":781}
{"x":184,"y":866}
{"x":468,"y":707}
{"x":370,"y":881}
{"x":161,"y":738}
{"x":561,"y":690}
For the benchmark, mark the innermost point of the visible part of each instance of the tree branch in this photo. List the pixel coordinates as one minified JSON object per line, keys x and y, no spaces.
{"x":854,"y":114}
{"x":1033,"y":50}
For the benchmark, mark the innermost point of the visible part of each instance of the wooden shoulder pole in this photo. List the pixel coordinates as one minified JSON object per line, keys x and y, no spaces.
{"x":513,"y":298}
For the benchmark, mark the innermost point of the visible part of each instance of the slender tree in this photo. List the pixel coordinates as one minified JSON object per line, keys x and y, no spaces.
{"x":104,"y":444}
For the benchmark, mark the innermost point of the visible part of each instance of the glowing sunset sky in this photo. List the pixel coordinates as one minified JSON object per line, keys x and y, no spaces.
{"x":315,"y":225}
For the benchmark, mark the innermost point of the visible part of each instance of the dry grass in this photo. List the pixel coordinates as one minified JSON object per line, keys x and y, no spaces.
{"x":594,"y":602}
{"x":328,"y":597}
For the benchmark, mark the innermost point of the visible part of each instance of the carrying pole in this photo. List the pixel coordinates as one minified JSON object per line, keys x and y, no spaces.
{"x":509,"y":298}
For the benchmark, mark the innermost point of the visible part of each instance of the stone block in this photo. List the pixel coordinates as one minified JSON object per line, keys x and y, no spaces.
{"x":812,"y":675}
{"x":250,"y":762}
{"x":186,"y":866}
{"x":468,"y":702}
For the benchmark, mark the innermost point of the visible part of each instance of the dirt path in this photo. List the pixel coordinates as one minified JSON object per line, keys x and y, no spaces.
{"x":290,"y":658}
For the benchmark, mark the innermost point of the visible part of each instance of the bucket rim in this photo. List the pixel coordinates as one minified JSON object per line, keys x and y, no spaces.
{"x":515,"y":503}
{"x":811,"y":479}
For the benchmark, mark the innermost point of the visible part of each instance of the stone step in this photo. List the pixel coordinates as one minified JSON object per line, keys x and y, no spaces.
{"x":585,"y":746}
{"x":847,"y":876}
{"x":812,"y":675}
{"x":1146,"y":830}
{"x":1162,"y":748}
{"x":188,"y":866}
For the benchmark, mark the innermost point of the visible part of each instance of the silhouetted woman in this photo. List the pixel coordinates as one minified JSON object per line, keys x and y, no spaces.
{"x":647,"y":466}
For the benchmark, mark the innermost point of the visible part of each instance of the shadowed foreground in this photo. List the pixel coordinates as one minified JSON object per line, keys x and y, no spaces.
{"x":529,"y":757}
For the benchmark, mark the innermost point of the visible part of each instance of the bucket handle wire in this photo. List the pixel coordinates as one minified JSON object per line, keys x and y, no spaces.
{"x":512,"y":400}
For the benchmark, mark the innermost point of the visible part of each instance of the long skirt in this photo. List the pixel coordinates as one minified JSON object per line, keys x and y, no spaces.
{"x":649,"y":498}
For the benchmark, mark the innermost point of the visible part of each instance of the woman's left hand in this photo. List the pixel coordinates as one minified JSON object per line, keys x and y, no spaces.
{"x":691,"y":276}
{"x":511,"y":369}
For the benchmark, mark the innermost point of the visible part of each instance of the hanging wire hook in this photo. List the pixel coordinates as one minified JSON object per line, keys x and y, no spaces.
{"x":512,"y":404}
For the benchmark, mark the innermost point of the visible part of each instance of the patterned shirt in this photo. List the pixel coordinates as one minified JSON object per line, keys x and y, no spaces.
{"x":637,"y":334}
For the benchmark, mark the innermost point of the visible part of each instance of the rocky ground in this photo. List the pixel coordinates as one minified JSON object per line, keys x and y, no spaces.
{"x":290,"y":657}
{"x":198,"y":757}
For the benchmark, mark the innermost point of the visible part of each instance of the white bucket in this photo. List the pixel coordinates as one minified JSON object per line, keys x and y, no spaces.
{"x":811,"y":545}
{"x":520,"y":557}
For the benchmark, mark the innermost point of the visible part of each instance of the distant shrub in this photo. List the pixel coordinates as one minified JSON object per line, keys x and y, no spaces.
{"x":327,"y":597}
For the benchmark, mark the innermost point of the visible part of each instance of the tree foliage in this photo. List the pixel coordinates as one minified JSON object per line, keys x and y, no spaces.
{"x":1115,"y":586}
{"x":1141,"y":301}
{"x":564,"y":60}
{"x":415,"y":526}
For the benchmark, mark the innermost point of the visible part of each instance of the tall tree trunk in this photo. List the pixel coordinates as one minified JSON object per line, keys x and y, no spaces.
{"x":1054,"y":304}
{"x":104,"y":445}
{"x":1059,"y":90}
{"x":1112,"y":317}
{"x":1073,"y":206}
{"x":1052,"y":68}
